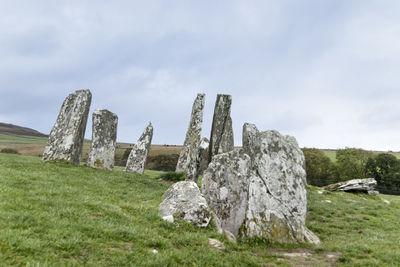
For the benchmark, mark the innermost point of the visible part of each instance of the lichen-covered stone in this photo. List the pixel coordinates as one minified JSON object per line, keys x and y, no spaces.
{"x":183,"y":201}
{"x":66,"y":138}
{"x":221,"y":139}
{"x":225,"y":187}
{"x":277,"y":202}
{"x":188,"y":161}
{"x":104,"y":136}
{"x":137,"y":157}
{"x":365,"y":185}
{"x":203,"y":155}
{"x":260,"y":191}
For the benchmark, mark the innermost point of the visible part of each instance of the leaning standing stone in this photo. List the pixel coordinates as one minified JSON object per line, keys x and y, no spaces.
{"x":221,"y":139}
{"x":66,"y":138}
{"x":189,"y":157}
{"x":104,"y":135}
{"x":137,"y":157}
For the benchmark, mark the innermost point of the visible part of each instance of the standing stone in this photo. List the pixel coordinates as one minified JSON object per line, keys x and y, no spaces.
{"x":221,"y":139}
{"x":277,"y":202}
{"x":104,"y":136}
{"x":137,"y":157}
{"x":260,"y":190}
{"x":225,"y":186}
{"x":203,"y":155}
{"x":189,"y":157}
{"x":66,"y":138}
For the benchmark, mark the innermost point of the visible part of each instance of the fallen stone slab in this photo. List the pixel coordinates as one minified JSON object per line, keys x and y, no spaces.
{"x":183,"y":201}
{"x":67,"y":135}
{"x":366,"y":185}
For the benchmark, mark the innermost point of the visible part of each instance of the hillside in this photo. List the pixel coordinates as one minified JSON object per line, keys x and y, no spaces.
{"x":6,"y":128}
{"x":60,"y":214}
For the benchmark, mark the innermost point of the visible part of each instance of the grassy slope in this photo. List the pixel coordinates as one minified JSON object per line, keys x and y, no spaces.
{"x":57,"y":214}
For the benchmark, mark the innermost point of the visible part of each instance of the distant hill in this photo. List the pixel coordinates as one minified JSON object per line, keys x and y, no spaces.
{"x":6,"y":128}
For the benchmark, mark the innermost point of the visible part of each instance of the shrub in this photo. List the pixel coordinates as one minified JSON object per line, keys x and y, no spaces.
{"x":173,"y":176}
{"x":9,"y":151}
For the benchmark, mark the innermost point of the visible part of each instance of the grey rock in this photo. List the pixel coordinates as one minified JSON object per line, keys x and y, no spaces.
{"x":67,"y":135}
{"x":183,"y":201}
{"x":189,"y":159}
{"x":277,"y":202}
{"x":203,"y":155}
{"x":104,"y":136}
{"x":137,"y":158}
{"x":225,"y":186}
{"x":355,"y":185}
{"x":215,"y":243}
{"x":260,"y":190}
{"x":221,"y":139}
{"x":231,"y":237}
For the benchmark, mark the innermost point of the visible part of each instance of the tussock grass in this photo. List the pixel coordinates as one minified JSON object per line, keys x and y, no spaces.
{"x":59,"y":214}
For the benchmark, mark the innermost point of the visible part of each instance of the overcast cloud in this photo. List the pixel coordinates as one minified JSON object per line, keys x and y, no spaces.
{"x":324,"y":71}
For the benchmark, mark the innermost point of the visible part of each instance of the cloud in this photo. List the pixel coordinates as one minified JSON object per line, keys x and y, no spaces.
{"x":325,"y":72}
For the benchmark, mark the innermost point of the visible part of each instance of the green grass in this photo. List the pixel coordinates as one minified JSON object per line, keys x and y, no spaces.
{"x":57,"y":214}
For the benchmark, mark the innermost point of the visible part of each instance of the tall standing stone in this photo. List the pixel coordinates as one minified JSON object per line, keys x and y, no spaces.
{"x":189,"y":157}
{"x":104,"y":136}
{"x":221,"y":139}
{"x":66,"y":138}
{"x":137,"y":157}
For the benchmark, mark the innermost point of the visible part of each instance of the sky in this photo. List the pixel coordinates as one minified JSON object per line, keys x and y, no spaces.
{"x":323,"y":71}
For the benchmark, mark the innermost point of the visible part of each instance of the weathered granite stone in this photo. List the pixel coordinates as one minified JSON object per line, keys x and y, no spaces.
{"x":188,"y":161}
{"x":277,"y":202}
{"x":66,"y":138}
{"x":225,"y":187}
{"x":260,"y":190}
{"x":366,"y":185}
{"x":137,"y":157}
{"x":221,"y":139}
{"x":203,"y":155}
{"x":104,"y":136}
{"x":183,"y":201}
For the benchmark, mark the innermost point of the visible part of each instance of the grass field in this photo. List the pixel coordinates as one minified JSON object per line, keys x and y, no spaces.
{"x":54,"y":214}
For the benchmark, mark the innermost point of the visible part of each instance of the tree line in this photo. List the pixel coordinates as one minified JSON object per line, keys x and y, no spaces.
{"x":353,"y":163}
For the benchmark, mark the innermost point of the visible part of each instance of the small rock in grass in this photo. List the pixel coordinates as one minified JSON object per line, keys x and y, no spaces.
{"x":320,"y":192}
{"x":386,"y":201}
{"x":214,"y":243}
{"x":168,"y":218}
{"x":231,"y":237}
{"x":154,"y":251}
{"x":327,"y":201}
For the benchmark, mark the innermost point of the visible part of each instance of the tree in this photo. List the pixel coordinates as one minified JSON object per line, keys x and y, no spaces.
{"x":319,"y":167}
{"x":385,"y":168}
{"x":351,"y":163}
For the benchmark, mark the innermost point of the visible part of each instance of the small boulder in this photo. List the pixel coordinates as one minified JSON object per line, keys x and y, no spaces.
{"x":183,"y":201}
